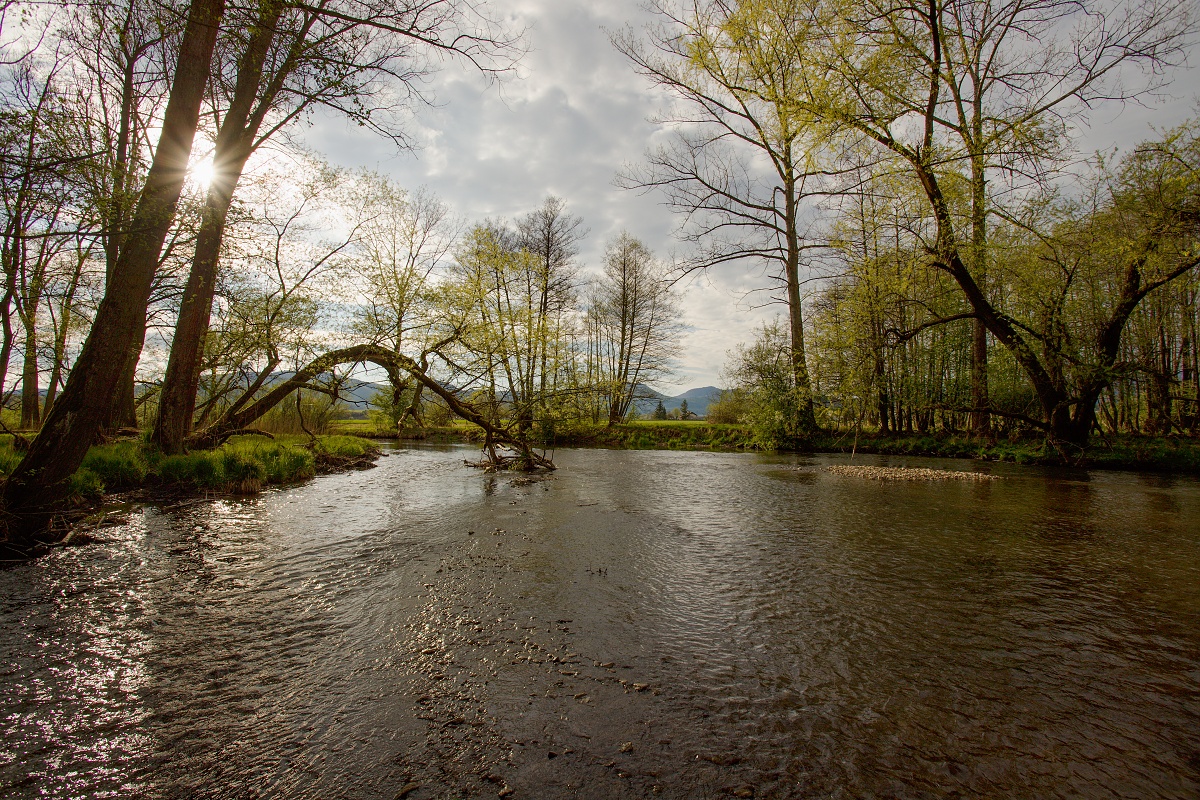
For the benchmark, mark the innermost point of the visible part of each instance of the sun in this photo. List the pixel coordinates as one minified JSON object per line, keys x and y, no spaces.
{"x":202,"y":172}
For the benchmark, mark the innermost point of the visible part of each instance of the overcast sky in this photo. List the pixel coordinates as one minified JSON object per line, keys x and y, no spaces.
{"x":564,"y":126}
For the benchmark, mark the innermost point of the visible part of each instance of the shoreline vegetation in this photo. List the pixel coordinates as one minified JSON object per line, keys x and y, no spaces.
{"x":1139,"y":453}
{"x":118,"y":477}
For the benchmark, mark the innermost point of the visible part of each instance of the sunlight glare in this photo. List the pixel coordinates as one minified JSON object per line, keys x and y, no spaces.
{"x":202,"y":172}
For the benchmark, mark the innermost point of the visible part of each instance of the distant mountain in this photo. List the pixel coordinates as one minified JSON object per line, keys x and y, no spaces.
{"x":357,"y":395}
{"x":697,"y":400}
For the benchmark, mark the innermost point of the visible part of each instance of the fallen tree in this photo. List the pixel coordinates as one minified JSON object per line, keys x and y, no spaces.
{"x":244,"y":412}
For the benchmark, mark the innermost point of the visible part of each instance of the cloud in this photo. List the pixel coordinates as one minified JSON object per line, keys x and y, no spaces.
{"x":565,"y":125}
{"x":576,"y":113}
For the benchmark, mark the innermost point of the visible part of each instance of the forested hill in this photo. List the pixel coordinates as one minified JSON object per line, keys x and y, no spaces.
{"x":697,"y":399}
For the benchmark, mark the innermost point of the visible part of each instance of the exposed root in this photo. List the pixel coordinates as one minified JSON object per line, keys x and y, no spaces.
{"x":520,"y":461}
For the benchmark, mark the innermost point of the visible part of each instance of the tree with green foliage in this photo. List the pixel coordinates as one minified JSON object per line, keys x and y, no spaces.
{"x":960,"y":96}
{"x":739,"y":167}
{"x":39,"y":481}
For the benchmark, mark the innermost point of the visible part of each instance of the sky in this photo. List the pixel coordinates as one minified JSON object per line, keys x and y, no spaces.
{"x":566,"y":122}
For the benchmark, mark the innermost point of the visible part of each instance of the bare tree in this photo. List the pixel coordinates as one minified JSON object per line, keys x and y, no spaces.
{"x":739,"y":168}
{"x":636,"y":322}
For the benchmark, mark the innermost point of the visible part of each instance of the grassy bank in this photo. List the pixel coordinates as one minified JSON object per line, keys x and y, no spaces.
{"x":656,"y":435}
{"x":368,"y":429}
{"x":1141,"y":453}
{"x":244,"y":464}
{"x":641,"y":435}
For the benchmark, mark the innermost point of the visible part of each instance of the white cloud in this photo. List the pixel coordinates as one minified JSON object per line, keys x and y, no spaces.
{"x":564,"y":126}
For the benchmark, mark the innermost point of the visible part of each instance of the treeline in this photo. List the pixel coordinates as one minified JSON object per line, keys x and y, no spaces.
{"x":947,"y":259}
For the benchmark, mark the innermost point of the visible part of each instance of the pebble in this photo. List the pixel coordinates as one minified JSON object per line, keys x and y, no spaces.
{"x":908,"y":474}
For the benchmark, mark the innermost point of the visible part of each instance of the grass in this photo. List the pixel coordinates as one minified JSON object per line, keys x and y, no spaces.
{"x":343,"y":446}
{"x":1127,"y":451}
{"x":656,"y":435}
{"x":244,"y":464}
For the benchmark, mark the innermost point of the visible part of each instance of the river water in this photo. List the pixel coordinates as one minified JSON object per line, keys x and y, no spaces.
{"x":638,"y":624}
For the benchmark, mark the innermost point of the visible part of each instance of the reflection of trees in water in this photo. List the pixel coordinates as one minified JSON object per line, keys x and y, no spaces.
{"x":1067,"y":511}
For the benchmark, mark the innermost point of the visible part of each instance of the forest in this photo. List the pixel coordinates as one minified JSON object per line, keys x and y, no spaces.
{"x":906,"y":179}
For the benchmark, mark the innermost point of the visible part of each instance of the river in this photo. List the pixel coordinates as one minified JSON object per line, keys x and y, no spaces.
{"x":637,"y":624}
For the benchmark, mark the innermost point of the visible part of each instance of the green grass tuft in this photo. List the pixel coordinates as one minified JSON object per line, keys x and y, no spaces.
{"x":85,"y":485}
{"x":205,"y":468}
{"x":120,"y":466}
{"x":343,"y":446}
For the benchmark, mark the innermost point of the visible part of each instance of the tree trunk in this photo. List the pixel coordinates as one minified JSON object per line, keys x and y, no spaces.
{"x":39,"y":482}
{"x":30,"y":391}
{"x":800,"y":377}
{"x":7,"y":338}
{"x":981,"y":423}
{"x":981,"y":420}
{"x":235,"y":138}
{"x":122,"y":413}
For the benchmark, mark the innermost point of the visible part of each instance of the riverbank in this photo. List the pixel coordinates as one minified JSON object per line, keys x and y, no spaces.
{"x":1137,"y":453}
{"x":121,"y":475}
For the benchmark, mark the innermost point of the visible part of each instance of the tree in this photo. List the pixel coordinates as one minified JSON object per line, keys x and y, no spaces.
{"x":37,"y":214}
{"x":683,"y":410}
{"x":551,"y":236}
{"x":71,"y":426}
{"x":962,"y":93}
{"x":740,"y":166}
{"x":660,"y":411}
{"x":498,"y":284}
{"x":635,"y":320}
{"x":118,"y":66}
{"x":762,"y":372}
{"x":403,"y":243}
{"x":349,"y":56}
